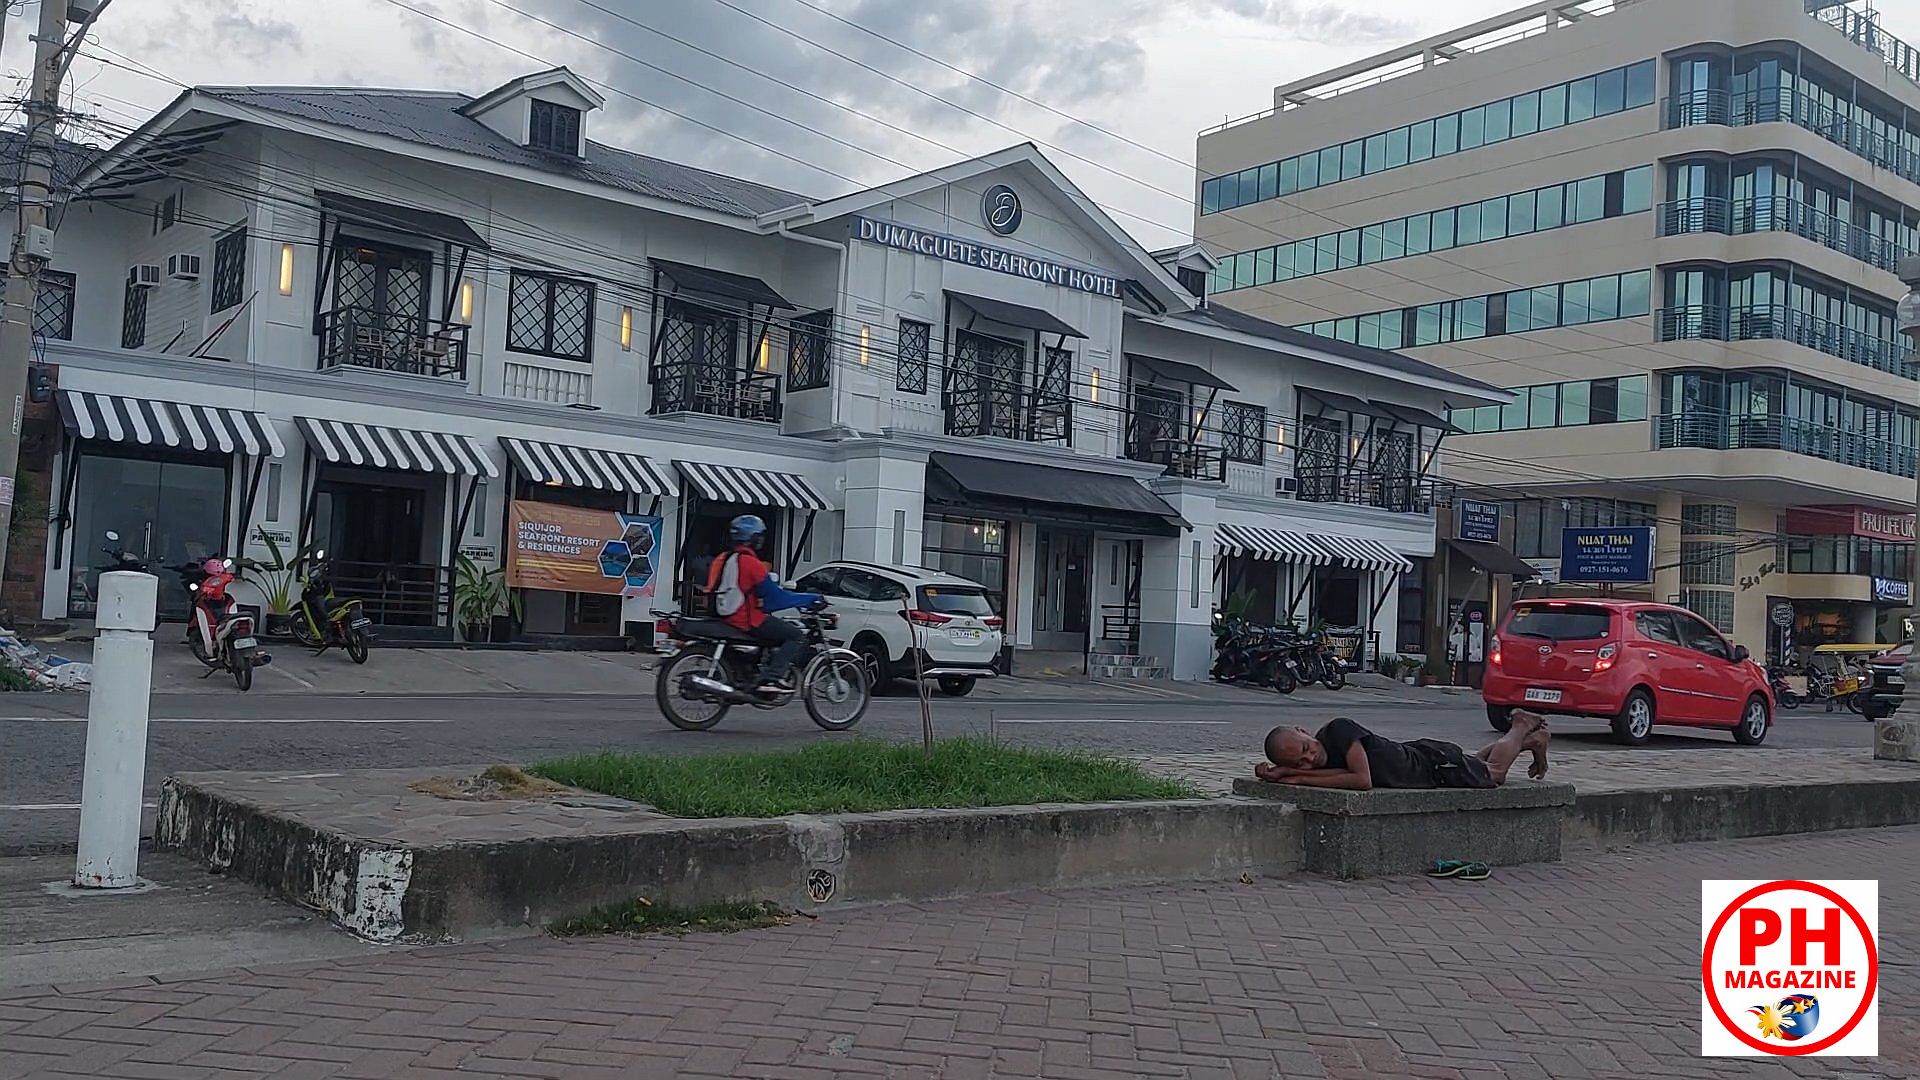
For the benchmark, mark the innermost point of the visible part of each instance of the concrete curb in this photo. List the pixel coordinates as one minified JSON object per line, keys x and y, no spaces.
{"x":1609,"y":819}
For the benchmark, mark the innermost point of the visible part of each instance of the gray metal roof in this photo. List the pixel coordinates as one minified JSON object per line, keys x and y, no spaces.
{"x":69,"y":158}
{"x":433,"y":119}
{"x":1240,"y":322}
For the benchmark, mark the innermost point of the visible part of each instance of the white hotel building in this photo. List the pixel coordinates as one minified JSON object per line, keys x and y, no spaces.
{"x":434,"y":304}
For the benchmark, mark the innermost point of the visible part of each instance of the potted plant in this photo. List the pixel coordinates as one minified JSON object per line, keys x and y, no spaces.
{"x":480,"y":597}
{"x":279,"y":582}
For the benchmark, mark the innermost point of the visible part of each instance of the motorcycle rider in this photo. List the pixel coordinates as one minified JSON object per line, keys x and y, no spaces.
{"x":744,"y":591}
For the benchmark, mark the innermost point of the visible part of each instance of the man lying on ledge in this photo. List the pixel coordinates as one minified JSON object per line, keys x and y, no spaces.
{"x":1347,"y":756}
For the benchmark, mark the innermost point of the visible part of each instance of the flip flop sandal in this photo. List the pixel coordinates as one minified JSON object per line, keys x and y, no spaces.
{"x":1445,"y":868}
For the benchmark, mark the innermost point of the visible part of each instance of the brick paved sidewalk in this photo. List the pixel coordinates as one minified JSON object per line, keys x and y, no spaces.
{"x":1305,"y":978}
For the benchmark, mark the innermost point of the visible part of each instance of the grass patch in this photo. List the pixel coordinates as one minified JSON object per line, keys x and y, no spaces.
{"x":642,"y":916}
{"x":860,"y":775}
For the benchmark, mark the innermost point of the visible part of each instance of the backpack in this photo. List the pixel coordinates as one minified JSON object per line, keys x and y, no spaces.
{"x":728,"y":597}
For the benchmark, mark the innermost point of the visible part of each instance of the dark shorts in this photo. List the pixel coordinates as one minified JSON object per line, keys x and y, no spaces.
{"x":1452,"y":767}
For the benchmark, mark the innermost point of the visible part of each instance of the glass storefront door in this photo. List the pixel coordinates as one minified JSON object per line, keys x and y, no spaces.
{"x":166,"y":512}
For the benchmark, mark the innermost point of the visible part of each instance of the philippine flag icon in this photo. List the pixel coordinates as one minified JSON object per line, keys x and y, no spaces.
{"x":1794,"y":1018}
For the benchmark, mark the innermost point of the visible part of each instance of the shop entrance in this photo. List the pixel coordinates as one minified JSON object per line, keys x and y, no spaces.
{"x":167,"y":512}
{"x":708,"y":537}
{"x":373,"y":526}
{"x":1060,"y":589}
{"x":573,"y":614}
{"x":1338,"y":597}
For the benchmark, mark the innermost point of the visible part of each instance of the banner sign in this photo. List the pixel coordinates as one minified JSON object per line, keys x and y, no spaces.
{"x":1619,"y":556}
{"x":1865,"y":521}
{"x":1476,"y":521}
{"x":967,"y":253}
{"x":1890,"y":591}
{"x":572,"y":549}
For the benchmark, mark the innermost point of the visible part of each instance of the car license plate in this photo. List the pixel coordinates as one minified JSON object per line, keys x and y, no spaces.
{"x":245,"y":643}
{"x":965,"y":637}
{"x":1544,"y":697}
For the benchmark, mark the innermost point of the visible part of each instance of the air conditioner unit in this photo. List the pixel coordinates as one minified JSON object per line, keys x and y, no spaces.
{"x":1285,"y":485}
{"x":143,"y":275}
{"x":183,"y":267}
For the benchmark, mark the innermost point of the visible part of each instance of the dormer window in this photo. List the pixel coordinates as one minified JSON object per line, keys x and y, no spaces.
{"x":1193,"y":280}
{"x":555,"y":128}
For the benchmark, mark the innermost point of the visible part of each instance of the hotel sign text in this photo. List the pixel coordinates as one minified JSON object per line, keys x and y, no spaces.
{"x":967,"y":253}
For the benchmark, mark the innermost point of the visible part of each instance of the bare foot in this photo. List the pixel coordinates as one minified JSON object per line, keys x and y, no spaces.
{"x":1525,"y":722}
{"x":1536,"y":742}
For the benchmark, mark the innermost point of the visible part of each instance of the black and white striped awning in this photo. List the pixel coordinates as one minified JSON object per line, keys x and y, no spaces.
{"x":754,"y":487}
{"x":342,"y":442}
{"x":1365,"y":554}
{"x":1276,"y":544}
{"x":585,"y":467}
{"x":169,"y":424}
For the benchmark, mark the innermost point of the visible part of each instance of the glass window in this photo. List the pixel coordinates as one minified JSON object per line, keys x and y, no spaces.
{"x":1471,"y":318}
{"x":1493,"y":218}
{"x":1446,"y":135}
{"x":1640,"y":84}
{"x":1548,"y":212}
{"x":1610,"y":92}
{"x":1573,"y":404}
{"x":1283,"y":262}
{"x":1637,"y":192}
{"x":1289,"y":177}
{"x":1657,"y":626}
{"x":1520,"y":214}
{"x":1426,"y":325}
{"x":1603,"y":298}
{"x":1243,"y":270}
{"x":1393,"y":239}
{"x":1499,"y":120}
{"x":1589,"y":200}
{"x":1210,"y":196}
{"x":1487,"y":418}
{"x":1526,"y":114}
{"x":1513,"y":415}
{"x":1443,"y":230}
{"x":1580,"y":100}
{"x":1370,"y":238}
{"x":1326,"y":256}
{"x":1263,"y":266}
{"x":1330,"y":165}
{"x":1553,"y":107}
{"x":1519,"y":312}
{"x":1419,"y":234}
{"x":1349,"y":249}
{"x":1636,"y":293}
{"x":1466,"y":228}
{"x":1546,"y":306}
{"x":1633,"y":397}
{"x":1269,"y":181}
{"x":1351,"y":160}
{"x":1544,"y":408}
{"x":1396,"y":148}
{"x":1420,"y":146}
{"x":1376,"y":151}
{"x":1306,"y":259}
{"x":1605,"y":405}
{"x":1309,"y":171}
{"x":1473,"y":128}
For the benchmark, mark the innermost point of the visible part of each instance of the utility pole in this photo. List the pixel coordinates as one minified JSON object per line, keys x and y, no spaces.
{"x":33,"y":237}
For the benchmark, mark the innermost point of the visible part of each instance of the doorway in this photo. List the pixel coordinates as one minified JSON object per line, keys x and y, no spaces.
{"x":166,"y":512}
{"x":386,"y":281}
{"x":374,"y":532}
{"x":572,"y":614}
{"x":1060,"y":589}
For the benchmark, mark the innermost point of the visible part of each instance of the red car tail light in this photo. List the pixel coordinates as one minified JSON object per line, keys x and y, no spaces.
{"x":928,"y":618}
{"x":1603,"y":660}
{"x":992,"y":622}
{"x":1493,"y":651}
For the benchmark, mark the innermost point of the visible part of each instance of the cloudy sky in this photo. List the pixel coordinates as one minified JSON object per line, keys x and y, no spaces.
{"x":820,"y":96}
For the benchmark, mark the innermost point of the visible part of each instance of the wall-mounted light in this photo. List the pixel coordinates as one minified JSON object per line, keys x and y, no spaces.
{"x":466,"y":300}
{"x":763,"y":354}
{"x":1093,"y":386}
{"x":286,"y":269}
{"x":626,"y":329}
{"x":866,"y":333}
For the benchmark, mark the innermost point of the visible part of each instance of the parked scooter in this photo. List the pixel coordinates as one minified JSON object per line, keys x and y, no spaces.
{"x":218,"y":633}
{"x":322,"y":620}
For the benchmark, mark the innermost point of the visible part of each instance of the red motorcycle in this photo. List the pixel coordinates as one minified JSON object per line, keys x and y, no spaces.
{"x":218,"y":633}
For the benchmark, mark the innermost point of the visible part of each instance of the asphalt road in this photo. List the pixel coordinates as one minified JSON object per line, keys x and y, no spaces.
{"x":43,"y":738}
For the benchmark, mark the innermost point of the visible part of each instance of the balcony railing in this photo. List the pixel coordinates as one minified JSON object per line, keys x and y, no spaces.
{"x":1189,"y":461}
{"x":1741,"y":216}
{"x":1864,"y":30}
{"x":1781,"y":105}
{"x":1360,"y":487}
{"x":1775,"y":322}
{"x":1702,"y":429}
{"x":537,"y":382}
{"x":389,"y":341}
{"x":1008,"y":413}
{"x":693,"y":387}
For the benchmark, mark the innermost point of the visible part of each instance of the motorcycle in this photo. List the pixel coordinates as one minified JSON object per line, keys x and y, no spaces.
{"x":218,"y":633}
{"x":703,"y":680}
{"x":322,"y":620}
{"x":1783,"y":691}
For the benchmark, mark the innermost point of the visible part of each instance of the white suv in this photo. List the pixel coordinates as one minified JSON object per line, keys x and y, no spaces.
{"x":885,"y":611}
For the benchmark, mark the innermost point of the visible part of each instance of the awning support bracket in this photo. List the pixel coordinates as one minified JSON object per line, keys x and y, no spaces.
{"x":246,"y":504}
{"x":69,"y":479}
{"x":800,"y":542}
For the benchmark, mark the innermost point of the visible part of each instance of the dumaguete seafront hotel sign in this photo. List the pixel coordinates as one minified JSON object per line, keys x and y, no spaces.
{"x":967,"y":253}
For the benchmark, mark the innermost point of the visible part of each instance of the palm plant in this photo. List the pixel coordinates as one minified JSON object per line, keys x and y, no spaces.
{"x":279,"y":578}
{"x":479,"y":595}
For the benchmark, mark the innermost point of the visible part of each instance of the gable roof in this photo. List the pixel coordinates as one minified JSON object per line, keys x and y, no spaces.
{"x":1147,"y":269}
{"x":1215,"y":317}
{"x":435,"y":118}
{"x":539,"y":80}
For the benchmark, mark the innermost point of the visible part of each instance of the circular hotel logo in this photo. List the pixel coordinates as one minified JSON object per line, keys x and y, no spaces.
{"x":1000,"y":209}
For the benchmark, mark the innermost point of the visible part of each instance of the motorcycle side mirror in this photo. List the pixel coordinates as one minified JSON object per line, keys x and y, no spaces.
{"x":112,"y":537}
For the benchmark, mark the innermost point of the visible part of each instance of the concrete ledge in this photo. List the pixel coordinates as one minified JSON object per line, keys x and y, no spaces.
{"x":1611,"y":819}
{"x":1361,"y":834}
{"x":359,"y":853}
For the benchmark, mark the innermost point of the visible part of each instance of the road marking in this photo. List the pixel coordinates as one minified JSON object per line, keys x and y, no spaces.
{"x":1110,"y":720}
{"x":235,"y":720}
{"x":56,"y":806}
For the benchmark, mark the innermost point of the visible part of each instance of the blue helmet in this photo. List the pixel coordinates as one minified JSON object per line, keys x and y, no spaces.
{"x":746,"y":528}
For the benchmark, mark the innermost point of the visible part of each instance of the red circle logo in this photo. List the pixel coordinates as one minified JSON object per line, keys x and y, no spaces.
{"x":1868,"y":991}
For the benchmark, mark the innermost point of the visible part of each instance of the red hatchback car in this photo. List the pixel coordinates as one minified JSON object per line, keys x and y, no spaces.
{"x":1635,"y":664}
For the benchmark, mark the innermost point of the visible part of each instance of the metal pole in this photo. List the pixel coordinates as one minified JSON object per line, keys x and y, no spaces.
{"x":116,"y":765}
{"x":32,"y":244}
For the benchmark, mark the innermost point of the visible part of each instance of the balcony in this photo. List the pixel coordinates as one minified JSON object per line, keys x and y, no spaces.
{"x":358,"y":337}
{"x":1775,"y":322}
{"x":1700,"y":429}
{"x":1188,"y":461}
{"x":1008,"y":413}
{"x":1781,"y":105}
{"x":1361,"y":487}
{"x":1738,"y":217}
{"x":694,"y":387}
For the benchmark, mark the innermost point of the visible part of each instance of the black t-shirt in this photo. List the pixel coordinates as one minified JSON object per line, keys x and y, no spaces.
{"x":1393,"y":764}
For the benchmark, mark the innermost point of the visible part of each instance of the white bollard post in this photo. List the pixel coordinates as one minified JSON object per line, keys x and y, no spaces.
{"x":115,"y":778}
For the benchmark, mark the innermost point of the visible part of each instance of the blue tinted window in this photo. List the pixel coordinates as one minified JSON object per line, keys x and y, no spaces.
{"x":1210,"y":196}
{"x":1574,"y":306}
{"x":1376,"y":152}
{"x":1330,"y":165}
{"x":1640,"y":84}
{"x":1269,"y":181}
{"x":1352,"y":157}
{"x":1473,"y":128}
{"x":1396,"y":148}
{"x":1420,"y":142}
{"x":1443,"y":230}
{"x":1603,"y":298}
{"x":1393,"y":240}
{"x":1580,"y":100}
{"x":1326,"y":255}
{"x":1553,"y":107}
{"x":1589,"y":201}
{"x":1545,"y":406}
{"x":1446,"y":135}
{"x":1309,"y":171}
{"x":1289,"y":181}
{"x":1370,"y":238}
{"x":1263,"y":266}
{"x":1520,"y":214}
{"x":1349,"y":249}
{"x":1636,"y":294}
{"x":1548,"y":213}
{"x":1499,"y":120}
{"x":1546,"y":306}
{"x":1633,"y":397}
{"x":1283,"y":262}
{"x":1526,"y":114}
{"x":1466,"y":225}
{"x":1243,"y":270}
{"x":1419,"y":234}
{"x":1610,"y":92}
{"x":1637,"y":193}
